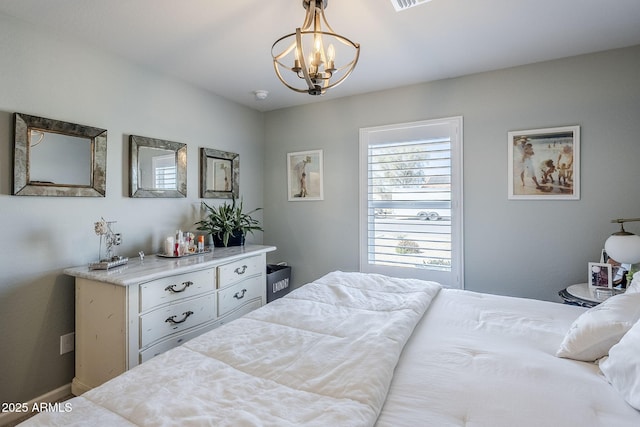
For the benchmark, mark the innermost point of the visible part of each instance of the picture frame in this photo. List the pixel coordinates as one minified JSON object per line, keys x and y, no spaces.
{"x":305,"y":176}
{"x":219,"y":174}
{"x":544,"y":164}
{"x":600,"y":275}
{"x":618,"y":270}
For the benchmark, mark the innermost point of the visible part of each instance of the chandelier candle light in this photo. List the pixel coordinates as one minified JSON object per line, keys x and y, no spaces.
{"x":313,"y":65}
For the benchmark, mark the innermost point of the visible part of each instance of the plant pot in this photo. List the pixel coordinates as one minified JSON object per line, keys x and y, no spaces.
{"x":236,"y":239}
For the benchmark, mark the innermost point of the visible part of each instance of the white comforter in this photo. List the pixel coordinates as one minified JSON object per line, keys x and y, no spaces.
{"x":480,"y":360}
{"x":324,"y":355}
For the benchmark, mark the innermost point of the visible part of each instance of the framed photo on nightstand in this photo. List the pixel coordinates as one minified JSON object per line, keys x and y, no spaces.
{"x":600,"y":275}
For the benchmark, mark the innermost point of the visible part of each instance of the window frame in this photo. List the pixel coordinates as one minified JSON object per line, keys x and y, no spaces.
{"x":424,"y":129}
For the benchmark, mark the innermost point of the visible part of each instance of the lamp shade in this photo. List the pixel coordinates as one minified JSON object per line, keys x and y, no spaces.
{"x":623,"y":247}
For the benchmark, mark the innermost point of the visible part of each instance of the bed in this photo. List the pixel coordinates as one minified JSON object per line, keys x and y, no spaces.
{"x":352,"y":349}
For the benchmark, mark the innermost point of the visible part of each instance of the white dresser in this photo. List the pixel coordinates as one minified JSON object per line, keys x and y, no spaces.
{"x":129,"y":314}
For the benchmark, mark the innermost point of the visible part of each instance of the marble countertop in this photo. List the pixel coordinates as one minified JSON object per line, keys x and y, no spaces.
{"x":154,"y":267}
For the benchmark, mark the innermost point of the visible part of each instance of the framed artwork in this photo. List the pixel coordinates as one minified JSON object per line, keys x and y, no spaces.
{"x":304,"y":176}
{"x":219,"y":174}
{"x":600,"y":275}
{"x":544,"y":164}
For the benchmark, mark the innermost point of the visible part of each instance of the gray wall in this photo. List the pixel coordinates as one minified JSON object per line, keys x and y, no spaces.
{"x":522,"y":248}
{"x":61,"y":79}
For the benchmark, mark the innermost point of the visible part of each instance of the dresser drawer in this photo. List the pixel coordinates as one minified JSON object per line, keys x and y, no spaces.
{"x":168,"y":320}
{"x":239,"y":270}
{"x":175,"y":341}
{"x":234,"y":296}
{"x":173,"y":288}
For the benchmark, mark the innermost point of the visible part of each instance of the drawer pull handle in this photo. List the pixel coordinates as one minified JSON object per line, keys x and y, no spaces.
{"x":175,"y":322}
{"x":172,"y":288}
{"x":238,"y":271}
{"x":240,"y":294}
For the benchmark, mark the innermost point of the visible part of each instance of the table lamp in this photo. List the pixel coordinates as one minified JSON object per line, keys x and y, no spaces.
{"x":622,"y":246}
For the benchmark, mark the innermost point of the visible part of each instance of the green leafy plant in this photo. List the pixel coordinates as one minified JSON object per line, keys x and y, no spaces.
{"x":228,"y":220}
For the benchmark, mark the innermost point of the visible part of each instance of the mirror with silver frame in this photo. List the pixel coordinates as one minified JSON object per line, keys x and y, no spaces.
{"x":219,"y":174}
{"x":56,"y":158}
{"x":157,"y":168}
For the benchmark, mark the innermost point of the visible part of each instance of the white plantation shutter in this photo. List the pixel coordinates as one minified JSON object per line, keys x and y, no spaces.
{"x":405,"y":4}
{"x":165,"y":172}
{"x":410,"y":200}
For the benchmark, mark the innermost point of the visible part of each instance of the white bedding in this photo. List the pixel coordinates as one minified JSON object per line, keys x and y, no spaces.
{"x":487,"y":360}
{"x":325,"y":354}
{"x":322,"y":356}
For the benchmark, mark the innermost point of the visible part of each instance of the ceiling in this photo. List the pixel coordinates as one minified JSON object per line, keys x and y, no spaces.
{"x":225,"y":46}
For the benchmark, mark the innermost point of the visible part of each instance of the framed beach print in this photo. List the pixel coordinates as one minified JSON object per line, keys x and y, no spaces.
{"x":544,"y":164}
{"x":600,"y":275}
{"x":304,"y":176}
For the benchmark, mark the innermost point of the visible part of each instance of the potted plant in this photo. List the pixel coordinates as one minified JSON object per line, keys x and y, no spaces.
{"x":228,"y":224}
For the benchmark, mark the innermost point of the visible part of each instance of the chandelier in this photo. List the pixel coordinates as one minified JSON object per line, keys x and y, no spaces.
{"x":315,"y":69}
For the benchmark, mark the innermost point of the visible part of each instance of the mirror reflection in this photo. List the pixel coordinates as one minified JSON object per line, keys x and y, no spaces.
{"x":59,"y":159}
{"x":219,"y":174}
{"x":158,"y":168}
{"x":56,"y":158}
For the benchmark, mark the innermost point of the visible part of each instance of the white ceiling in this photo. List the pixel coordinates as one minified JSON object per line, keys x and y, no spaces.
{"x":225,"y":46}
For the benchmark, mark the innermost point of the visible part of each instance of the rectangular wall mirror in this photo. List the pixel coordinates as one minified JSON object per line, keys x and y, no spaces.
{"x":158,"y":168}
{"x":56,"y":158}
{"x":219,"y":174}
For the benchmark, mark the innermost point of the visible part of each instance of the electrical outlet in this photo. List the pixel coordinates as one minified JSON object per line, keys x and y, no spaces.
{"x":67,"y":342}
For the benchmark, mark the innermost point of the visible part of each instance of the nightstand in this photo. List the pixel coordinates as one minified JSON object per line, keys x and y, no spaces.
{"x":583,"y":295}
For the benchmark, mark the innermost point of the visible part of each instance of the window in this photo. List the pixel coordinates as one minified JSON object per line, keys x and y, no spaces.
{"x":165,"y":172}
{"x":411,"y":200}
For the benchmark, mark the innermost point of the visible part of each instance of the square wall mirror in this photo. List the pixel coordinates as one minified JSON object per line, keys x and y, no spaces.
{"x":219,"y":174}
{"x":56,"y":158}
{"x":157,"y":168}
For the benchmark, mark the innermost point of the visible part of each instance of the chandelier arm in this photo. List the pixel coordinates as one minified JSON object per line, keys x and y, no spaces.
{"x":342,"y":39}
{"x":351,"y":64}
{"x":281,"y":64}
{"x":348,"y":73}
{"x":303,"y":62}
{"x":324,"y":19}
{"x":341,"y":79}
{"x":308,"y":17}
{"x":284,"y":52}
{"x":284,"y":82}
{"x":40,"y":137}
{"x":345,"y":41}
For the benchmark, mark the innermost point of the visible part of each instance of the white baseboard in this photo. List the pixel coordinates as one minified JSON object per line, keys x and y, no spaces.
{"x":50,"y":397}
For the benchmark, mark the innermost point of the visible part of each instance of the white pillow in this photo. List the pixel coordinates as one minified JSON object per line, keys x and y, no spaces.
{"x":634,"y":286}
{"x":598,"y":329}
{"x":622,"y":367}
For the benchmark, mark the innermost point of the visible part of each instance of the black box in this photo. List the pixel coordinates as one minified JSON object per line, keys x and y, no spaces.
{"x":278,"y":277}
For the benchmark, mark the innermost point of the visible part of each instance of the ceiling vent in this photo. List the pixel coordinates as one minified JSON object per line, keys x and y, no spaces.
{"x":406,"y":4}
